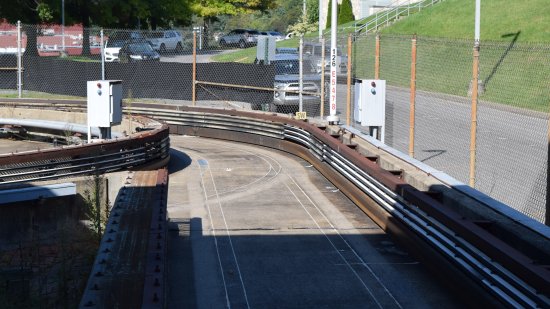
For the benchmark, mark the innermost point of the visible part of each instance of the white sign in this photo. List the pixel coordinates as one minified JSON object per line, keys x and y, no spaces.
{"x":333,"y":80}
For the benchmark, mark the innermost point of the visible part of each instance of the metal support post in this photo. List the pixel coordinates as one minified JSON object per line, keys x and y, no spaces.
{"x":412,"y":98}
{"x":19,"y":68}
{"x":194,"y":78}
{"x":377,"y":58}
{"x":323,"y":77}
{"x":101,"y":38}
{"x":348,"y":114}
{"x":301,"y":78}
{"x":473,"y":128}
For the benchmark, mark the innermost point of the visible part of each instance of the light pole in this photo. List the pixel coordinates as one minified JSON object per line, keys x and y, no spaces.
{"x":332,"y":118}
{"x":63,"y":26}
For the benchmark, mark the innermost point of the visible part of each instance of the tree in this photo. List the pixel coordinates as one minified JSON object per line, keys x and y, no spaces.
{"x":211,"y":9}
{"x":30,"y":13}
{"x":345,"y":13}
{"x":312,"y":9}
{"x":329,"y":14}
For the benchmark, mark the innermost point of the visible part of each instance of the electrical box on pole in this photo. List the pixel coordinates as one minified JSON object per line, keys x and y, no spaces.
{"x":370,"y":106}
{"x":265,"y":49}
{"x":104,"y":106}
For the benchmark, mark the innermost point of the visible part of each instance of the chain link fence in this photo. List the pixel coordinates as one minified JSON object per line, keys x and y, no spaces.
{"x":231,"y":71}
{"x":511,"y":146}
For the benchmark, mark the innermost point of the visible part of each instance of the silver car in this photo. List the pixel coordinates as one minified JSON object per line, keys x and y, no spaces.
{"x":240,"y":37}
{"x":287,"y":83}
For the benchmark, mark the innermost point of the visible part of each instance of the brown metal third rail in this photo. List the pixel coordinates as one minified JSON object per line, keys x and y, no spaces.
{"x":130,"y":259}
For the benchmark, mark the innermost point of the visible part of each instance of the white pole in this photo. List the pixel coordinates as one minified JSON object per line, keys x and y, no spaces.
{"x":102,"y":55}
{"x":320,"y":18}
{"x":19,"y":69}
{"x":477,"y":21}
{"x":63,"y":25}
{"x":301,"y":82}
{"x":333,"y":54}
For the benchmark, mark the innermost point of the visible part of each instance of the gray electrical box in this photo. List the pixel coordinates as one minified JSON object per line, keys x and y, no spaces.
{"x":370,"y":106}
{"x":104,"y":106}
{"x":104,"y":103}
{"x":265,"y":49}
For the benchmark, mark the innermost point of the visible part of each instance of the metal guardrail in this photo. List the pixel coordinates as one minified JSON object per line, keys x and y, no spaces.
{"x":67,"y":161}
{"x":471,"y":248}
{"x":511,"y":277}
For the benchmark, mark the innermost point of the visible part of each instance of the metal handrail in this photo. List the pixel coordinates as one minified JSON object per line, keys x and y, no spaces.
{"x":386,"y":16}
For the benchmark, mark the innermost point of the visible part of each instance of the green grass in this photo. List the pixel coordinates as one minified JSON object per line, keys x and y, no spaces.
{"x":247,"y":55}
{"x":37,"y":95}
{"x":455,"y":19}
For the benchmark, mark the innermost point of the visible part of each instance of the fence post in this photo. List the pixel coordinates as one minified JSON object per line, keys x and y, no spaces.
{"x":194,"y":78}
{"x":19,"y":69}
{"x":301,"y":74}
{"x":322,"y":77}
{"x":547,"y":212}
{"x":473,"y":128}
{"x":377,"y":58}
{"x":412,"y":108}
{"x":101,"y":40}
{"x":348,"y":114}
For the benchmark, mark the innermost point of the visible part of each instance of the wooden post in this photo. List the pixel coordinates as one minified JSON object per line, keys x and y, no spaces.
{"x":193,"y":92}
{"x":377,"y":58}
{"x":412,"y":108}
{"x":547,"y":213}
{"x":473,"y":128}
{"x":348,"y":114}
{"x":322,"y":77}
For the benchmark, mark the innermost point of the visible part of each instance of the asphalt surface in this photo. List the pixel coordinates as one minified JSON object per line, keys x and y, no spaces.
{"x":256,"y":228}
{"x":511,"y":152}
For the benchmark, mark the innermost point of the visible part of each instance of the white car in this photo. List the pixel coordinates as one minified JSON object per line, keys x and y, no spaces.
{"x":163,"y":41}
{"x":277,"y":35}
{"x":115,"y":41}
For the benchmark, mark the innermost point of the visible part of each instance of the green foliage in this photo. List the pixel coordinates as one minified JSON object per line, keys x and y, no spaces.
{"x":312,"y":9}
{"x":283,"y":14}
{"x":44,"y":12}
{"x":212,"y":8}
{"x":345,"y":13}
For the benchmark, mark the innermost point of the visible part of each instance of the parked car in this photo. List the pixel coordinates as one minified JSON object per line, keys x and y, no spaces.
{"x":162,"y":41}
{"x":137,"y":50}
{"x":286,"y":50}
{"x":287,"y":74}
{"x":240,"y":37}
{"x":314,"y":50}
{"x":116,"y":40}
{"x":278,"y":36}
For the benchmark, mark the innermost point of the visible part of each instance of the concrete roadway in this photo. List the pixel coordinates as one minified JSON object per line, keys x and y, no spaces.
{"x":256,"y":228}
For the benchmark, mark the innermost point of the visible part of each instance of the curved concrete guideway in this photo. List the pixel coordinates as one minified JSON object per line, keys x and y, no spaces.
{"x":256,"y":228}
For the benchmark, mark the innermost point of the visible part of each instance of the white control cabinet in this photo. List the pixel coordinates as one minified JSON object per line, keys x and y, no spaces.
{"x":104,"y":106}
{"x":104,"y":103}
{"x":265,"y":49}
{"x":370,"y":106}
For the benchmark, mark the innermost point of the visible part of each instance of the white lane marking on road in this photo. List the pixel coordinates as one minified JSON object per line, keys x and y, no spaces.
{"x":246,"y":186}
{"x":229,"y":238}
{"x":215,"y":238}
{"x":347,"y":244}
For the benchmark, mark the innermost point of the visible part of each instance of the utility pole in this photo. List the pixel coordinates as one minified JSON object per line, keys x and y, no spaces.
{"x":332,"y":118}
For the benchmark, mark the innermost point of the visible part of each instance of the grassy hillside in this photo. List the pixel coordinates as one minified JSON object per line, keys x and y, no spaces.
{"x":499,"y":19}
